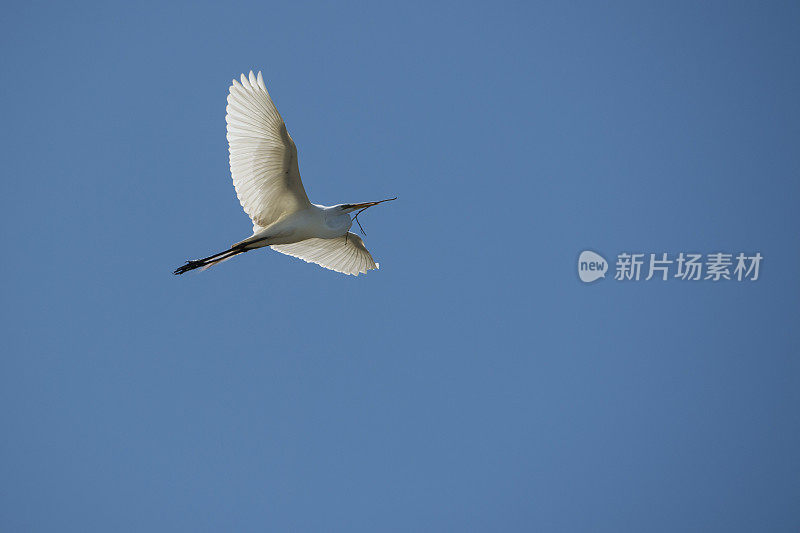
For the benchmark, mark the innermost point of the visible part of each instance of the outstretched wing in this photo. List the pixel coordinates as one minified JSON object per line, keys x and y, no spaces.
{"x":345,"y":255}
{"x":262,"y":154}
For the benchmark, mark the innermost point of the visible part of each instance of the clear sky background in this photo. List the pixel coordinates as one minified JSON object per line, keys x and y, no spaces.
{"x":473,"y":383}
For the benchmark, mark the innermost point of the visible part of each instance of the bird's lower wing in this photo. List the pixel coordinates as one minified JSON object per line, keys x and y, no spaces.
{"x":346,"y":255}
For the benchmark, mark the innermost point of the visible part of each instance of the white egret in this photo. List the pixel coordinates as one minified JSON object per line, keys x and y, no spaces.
{"x":265,"y":173}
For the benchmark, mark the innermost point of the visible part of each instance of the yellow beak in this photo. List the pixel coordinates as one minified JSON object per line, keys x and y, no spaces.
{"x":369,"y":204}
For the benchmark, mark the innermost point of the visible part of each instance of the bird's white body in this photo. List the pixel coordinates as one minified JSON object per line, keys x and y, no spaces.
{"x":317,"y":221}
{"x":266,"y":176}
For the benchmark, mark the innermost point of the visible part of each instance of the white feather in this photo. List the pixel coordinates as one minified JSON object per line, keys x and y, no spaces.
{"x":347,"y":255}
{"x":263,"y":156}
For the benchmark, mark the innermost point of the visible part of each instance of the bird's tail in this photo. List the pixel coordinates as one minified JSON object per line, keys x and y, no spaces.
{"x":211,"y":260}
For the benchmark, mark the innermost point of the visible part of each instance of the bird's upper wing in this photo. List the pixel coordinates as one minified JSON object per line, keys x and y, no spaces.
{"x":346,"y":255}
{"x":262,"y":154}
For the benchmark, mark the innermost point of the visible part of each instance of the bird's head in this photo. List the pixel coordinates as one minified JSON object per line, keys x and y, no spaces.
{"x":358,"y":208}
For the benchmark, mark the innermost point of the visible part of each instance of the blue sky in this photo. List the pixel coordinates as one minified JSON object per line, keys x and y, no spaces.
{"x":473,"y":383}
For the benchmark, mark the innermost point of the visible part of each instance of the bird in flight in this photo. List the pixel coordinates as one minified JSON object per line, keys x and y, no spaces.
{"x":265,"y":173}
